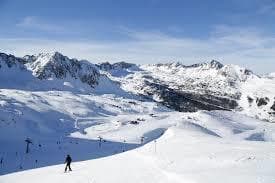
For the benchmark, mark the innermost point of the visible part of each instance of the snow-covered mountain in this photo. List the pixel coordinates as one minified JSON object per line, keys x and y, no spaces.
{"x":13,"y":72}
{"x":207,"y":86}
{"x":64,"y":105}
{"x":48,"y":71}
{"x":56,"y":65}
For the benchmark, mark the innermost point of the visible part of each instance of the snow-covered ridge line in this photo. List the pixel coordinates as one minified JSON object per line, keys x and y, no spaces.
{"x":212,"y":64}
{"x":49,"y":66}
{"x":11,"y":60}
{"x":225,"y":86}
{"x":189,"y":88}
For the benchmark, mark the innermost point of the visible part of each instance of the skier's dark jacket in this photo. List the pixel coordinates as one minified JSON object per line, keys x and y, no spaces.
{"x":68,"y":160}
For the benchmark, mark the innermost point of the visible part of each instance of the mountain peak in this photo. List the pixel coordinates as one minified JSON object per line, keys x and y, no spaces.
{"x":212,"y":64}
{"x":216,"y":64}
{"x":56,"y":65}
{"x":117,"y":65}
{"x":49,"y":54}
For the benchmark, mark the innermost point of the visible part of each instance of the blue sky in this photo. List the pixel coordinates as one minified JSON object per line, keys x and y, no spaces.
{"x":143,"y":31}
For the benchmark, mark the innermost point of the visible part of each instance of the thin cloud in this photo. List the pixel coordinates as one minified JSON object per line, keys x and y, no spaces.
{"x":249,"y":48}
{"x":32,"y":22}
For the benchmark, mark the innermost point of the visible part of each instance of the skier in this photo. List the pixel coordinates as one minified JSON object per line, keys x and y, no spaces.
{"x":68,"y":163}
{"x":141,"y":140}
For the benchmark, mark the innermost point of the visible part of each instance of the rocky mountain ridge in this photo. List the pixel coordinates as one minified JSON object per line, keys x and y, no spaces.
{"x":46,"y":66}
{"x":205,"y":86}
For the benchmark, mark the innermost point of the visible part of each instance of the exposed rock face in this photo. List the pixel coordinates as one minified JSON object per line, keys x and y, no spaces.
{"x":105,"y":66}
{"x":88,"y":73}
{"x":250,"y":100}
{"x":188,"y":101}
{"x":119,"y":65}
{"x":273,"y":106}
{"x":11,"y":61}
{"x":262,"y":101}
{"x":45,"y":66}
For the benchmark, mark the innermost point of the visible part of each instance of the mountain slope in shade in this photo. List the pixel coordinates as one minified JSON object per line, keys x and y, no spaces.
{"x":13,"y":72}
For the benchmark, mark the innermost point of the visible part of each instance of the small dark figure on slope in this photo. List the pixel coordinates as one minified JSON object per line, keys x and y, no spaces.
{"x":68,"y":163}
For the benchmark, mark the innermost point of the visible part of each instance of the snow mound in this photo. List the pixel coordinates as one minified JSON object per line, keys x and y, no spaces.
{"x":186,"y":152}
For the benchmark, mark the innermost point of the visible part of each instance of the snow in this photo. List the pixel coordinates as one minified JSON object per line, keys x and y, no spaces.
{"x":217,"y":80}
{"x":142,"y":141}
{"x":271,"y":75}
{"x":75,"y":118}
{"x":188,"y":151}
{"x":189,"y":147}
{"x":256,"y":88}
{"x":200,"y":78}
{"x":231,"y":81}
